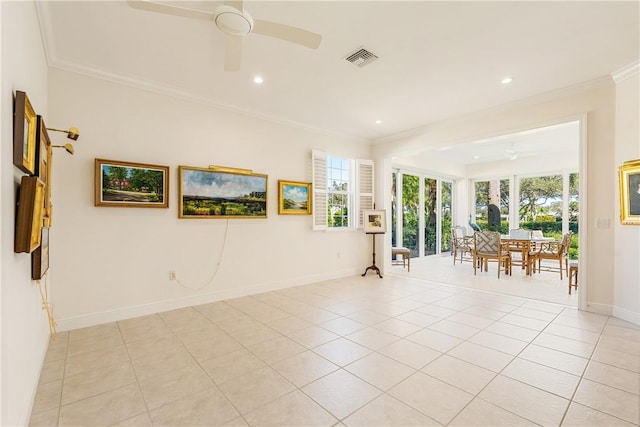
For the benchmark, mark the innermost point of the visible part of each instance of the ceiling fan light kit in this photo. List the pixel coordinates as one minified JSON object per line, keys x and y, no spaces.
{"x":232,"y":21}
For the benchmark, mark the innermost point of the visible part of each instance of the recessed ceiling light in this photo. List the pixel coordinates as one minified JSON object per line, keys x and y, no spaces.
{"x":476,"y":157}
{"x":258,"y":80}
{"x":507,"y":80}
{"x":378,"y":121}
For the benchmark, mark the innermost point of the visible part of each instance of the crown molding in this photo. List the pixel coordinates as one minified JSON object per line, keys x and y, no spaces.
{"x":626,"y":72}
{"x":187,"y":96}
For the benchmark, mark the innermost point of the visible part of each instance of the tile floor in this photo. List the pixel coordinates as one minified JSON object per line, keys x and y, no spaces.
{"x":544,"y":286}
{"x":396,"y":351}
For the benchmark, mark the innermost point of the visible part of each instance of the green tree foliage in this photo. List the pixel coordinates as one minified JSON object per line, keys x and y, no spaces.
{"x":535,"y":192}
{"x":117,"y":175}
{"x":410,"y":219}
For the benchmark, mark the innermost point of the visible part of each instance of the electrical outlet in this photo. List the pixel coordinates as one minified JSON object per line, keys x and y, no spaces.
{"x":172,"y":275}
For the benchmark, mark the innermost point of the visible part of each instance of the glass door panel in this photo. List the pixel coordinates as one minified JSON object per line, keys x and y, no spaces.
{"x":410,"y":212}
{"x":430,"y":216}
{"x":445,"y":216}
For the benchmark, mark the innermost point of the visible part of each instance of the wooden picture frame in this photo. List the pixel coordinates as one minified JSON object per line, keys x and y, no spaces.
{"x":294,"y":198}
{"x":24,"y":134}
{"x":629,"y":180}
{"x":43,"y":167}
{"x":222,"y":193}
{"x":375,"y":221}
{"x":131,"y":185}
{"x":29,"y":216}
{"x":40,"y":256}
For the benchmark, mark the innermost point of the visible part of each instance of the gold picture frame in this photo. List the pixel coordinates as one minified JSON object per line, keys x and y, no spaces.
{"x":24,"y":134}
{"x":29,"y":216}
{"x":629,"y":180}
{"x":294,"y":198}
{"x":128,"y":184}
{"x":40,"y":257}
{"x":221,"y":192}
{"x":43,"y":168}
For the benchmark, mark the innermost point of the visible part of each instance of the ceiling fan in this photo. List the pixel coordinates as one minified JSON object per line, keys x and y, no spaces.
{"x":233,"y":20}
{"x":511,"y":154}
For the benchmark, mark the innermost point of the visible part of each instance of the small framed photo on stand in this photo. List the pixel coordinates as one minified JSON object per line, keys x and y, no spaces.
{"x":375,"y":221}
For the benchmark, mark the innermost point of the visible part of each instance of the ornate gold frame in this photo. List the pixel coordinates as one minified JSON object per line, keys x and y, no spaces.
{"x":24,"y":134}
{"x":629,"y":180}
{"x":294,"y":207}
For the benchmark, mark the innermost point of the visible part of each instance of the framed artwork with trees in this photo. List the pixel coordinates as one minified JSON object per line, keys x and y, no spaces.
{"x":127,"y":184}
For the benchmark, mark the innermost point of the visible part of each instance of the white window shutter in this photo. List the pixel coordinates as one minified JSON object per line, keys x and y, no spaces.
{"x":319,"y":189}
{"x":364,"y":197}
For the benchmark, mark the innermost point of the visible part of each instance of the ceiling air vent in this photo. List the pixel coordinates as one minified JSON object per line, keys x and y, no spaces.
{"x":361,"y":57}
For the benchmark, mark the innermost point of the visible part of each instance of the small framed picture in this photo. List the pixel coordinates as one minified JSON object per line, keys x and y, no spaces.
{"x":127,"y":184}
{"x":629,"y":175}
{"x":375,"y":221}
{"x":294,"y":198}
{"x":24,"y":134}
{"x":29,"y":214}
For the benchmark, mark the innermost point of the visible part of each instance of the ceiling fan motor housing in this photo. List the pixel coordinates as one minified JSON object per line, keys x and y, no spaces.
{"x":233,"y":21}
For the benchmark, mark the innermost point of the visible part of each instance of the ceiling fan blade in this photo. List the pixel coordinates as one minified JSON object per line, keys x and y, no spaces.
{"x":234,"y":3}
{"x":233,"y":53}
{"x":166,"y":9}
{"x":288,"y":33}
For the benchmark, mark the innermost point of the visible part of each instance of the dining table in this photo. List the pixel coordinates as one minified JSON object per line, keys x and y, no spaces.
{"x":524,"y":247}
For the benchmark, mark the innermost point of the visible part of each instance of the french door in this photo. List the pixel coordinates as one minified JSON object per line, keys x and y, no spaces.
{"x":421,"y":213}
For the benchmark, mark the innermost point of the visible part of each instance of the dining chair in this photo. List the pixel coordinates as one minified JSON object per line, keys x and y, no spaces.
{"x":461,"y":242}
{"x":555,"y":251}
{"x":519,"y":233}
{"x":487,"y":245}
{"x":537,"y":234}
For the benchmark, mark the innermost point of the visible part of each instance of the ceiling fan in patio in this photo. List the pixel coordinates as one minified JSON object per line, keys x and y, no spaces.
{"x":510,"y":153}
{"x":236,"y":23}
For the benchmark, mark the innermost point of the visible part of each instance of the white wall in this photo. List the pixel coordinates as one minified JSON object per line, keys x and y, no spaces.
{"x":111,"y":263}
{"x":627,"y":249}
{"x":597,"y":101}
{"x":25,"y":330}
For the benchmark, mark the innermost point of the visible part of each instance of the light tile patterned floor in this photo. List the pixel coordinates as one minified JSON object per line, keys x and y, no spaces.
{"x":396,"y":351}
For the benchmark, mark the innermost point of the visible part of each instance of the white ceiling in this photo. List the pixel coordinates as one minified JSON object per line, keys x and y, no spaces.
{"x":558,"y":139}
{"x":437,"y":60}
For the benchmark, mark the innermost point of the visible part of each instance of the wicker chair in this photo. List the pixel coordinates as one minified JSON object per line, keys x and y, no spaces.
{"x":487,"y":245}
{"x":461,"y":242}
{"x":554,"y":251}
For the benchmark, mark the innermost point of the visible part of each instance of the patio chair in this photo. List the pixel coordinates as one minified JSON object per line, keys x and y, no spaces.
{"x":461,"y":242}
{"x":519,"y":233}
{"x":537,"y":234}
{"x":555,"y":251}
{"x":487,"y":245}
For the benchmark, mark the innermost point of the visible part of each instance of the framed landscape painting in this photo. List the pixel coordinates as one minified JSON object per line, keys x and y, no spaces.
{"x":127,"y":184}
{"x":629,"y":175}
{"x":225,"y":193}
{"x":294,"y":198}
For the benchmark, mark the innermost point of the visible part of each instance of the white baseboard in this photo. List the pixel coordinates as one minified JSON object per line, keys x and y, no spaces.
{"x":624,"y":314}
{"x":600,"y":308}
{"x":160,"y":306}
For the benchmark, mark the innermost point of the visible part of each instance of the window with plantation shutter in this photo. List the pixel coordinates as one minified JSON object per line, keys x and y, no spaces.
{"x":342,"y":188}
{"x":319,"y":189}
{"x":364,"y":199}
